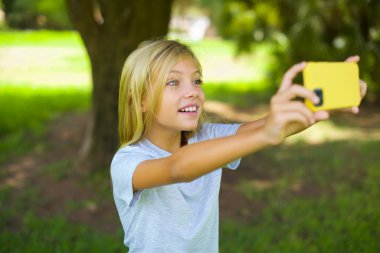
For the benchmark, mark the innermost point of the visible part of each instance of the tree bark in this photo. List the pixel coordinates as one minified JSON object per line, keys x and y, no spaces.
{"x":110,"y":31}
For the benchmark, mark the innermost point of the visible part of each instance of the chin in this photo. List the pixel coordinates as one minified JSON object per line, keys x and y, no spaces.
{"x":190,"y":127}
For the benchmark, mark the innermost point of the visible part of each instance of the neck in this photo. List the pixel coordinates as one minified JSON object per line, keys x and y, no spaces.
{"x":167,"y":140}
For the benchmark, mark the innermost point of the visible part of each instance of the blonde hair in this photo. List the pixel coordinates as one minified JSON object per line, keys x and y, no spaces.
{"x":144,"y":76}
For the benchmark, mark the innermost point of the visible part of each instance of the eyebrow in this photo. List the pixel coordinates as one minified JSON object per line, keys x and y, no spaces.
{"x":179,"y":72}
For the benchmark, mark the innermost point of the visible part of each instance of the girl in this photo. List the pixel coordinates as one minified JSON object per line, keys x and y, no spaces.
{"x":166,"y":176}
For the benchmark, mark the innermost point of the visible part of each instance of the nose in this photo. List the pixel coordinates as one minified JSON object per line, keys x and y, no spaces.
{"x":192,"y":90}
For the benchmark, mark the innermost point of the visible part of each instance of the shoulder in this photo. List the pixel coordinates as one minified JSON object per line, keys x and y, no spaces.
{"x":128,"y":157}
{"x":129,"y":151}
{"x":216,"y":130}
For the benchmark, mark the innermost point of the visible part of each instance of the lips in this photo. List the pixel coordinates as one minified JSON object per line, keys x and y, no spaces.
{"x":192,"y":108}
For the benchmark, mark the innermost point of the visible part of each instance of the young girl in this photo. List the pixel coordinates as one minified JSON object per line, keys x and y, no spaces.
{"x":166,"y":176}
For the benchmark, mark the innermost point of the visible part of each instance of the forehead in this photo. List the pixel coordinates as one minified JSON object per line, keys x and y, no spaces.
{"x":186,"y":65}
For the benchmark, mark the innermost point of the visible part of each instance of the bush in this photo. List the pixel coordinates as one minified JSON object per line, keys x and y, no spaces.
{"x":45,"y":14}
{"x":317,"y":30}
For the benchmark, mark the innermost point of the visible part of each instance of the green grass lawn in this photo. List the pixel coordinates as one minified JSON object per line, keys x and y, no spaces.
{"x":319,"y":198}
{"x":319,"y":192}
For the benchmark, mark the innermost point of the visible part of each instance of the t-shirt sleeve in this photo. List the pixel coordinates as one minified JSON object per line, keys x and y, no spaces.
{"x":219,"y":130}
{"x":123,"y":166}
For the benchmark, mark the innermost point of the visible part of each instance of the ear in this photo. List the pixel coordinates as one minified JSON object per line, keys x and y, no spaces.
{"x":144,"y":105}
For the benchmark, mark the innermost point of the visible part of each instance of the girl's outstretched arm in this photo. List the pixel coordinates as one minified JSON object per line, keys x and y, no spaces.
{"x":285,"y":117}
{"x":252,"y":125}
{"x":194,"y":160}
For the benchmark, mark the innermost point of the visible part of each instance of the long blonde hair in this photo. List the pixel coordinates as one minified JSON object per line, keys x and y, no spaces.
{"x":143,"y":77}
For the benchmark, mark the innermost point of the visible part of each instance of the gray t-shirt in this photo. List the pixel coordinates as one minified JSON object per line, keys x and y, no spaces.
{"x":181,"y":217}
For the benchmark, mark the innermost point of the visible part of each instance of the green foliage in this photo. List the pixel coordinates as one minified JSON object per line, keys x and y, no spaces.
{"x":26,"y":14}
{"x":317,"y":30}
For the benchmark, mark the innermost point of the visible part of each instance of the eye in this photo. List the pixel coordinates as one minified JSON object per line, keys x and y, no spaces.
{"x":198,"y":82}
{"x":173,"y":83}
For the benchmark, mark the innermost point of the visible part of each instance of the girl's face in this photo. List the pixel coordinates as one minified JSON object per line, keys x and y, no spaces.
{"x":182,"y":98}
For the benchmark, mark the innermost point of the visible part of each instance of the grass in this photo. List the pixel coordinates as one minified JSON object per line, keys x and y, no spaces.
{"x":49,"y":39}
{"x":305,"y":225}
{"x":25,"y":111}
{"x":319,"y":191}
{"x":56,"y":234}
{"x":33,"y":234}
{"x":317,"y":200}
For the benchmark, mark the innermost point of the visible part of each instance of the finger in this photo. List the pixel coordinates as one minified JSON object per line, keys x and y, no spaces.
{"x":321,"y":115}
{"x":296,"y":117}
{"x":295,"y":91}
{"x":290,"y":75}
{"x":355,"y":110}
{"x":354,"y":58}
{"x":296,"y":106}
{"x":363,"y":88}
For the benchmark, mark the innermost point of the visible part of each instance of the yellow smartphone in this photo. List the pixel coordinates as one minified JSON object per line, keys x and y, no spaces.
{"x":336,"y":84}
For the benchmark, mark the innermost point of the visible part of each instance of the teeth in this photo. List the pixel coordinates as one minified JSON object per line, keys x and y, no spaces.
{"x":189,"y":109}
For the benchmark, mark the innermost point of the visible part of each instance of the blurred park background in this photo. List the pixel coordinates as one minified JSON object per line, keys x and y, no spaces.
{"x":59,"y":67}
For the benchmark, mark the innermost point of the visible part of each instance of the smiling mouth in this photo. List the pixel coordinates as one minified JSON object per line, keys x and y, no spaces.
{"x":189,"y":109}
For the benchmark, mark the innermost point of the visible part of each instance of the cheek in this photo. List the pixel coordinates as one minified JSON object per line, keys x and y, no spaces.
{"x":167,"y":102}
{"x":202,"y":96}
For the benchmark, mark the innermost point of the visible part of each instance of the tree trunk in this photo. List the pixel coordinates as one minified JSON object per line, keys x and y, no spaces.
{"x":111,"y":30}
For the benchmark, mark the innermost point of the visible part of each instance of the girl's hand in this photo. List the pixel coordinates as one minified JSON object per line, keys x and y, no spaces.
{"x":363,"y":85}
{"x":287,"y":116}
